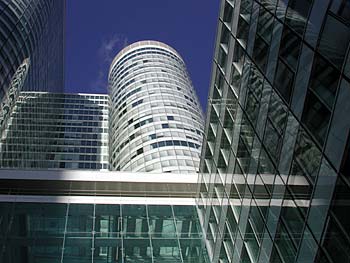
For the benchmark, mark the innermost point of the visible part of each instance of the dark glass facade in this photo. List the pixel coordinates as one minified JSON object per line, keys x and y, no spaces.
{"x":31,"y":33}
{"x":275,"y":163}
{"x":71,"y":232}
{"x":56,"y":131}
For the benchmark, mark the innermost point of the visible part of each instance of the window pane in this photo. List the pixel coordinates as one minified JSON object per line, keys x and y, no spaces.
{"x":324,"y":81}
{"x":334,"y":41}
{"x":260,"y":52}
{"x":316,"y":117}
{"x":290,"y":47}
{"x":284,"y":81}
{"x":297,"y":14}
{"x":342,"y":9}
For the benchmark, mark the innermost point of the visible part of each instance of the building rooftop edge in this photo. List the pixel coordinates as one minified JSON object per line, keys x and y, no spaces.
{"x":65,"y":93}
{"x":140,"y":44}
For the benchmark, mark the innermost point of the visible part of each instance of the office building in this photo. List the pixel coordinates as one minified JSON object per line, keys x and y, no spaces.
{"x":32,"y":32}
{"x":31,"y":50}
{"x":93,"y":216}
{"x":56,"y":131}
{"x":156,"y":122}
{"x":275,"y":163}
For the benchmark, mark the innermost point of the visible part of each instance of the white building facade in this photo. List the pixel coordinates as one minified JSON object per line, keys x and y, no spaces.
{"x":156,"y":123}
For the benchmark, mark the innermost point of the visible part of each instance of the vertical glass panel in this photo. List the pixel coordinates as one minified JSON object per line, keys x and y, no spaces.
{"x":227,"y":247}
{"x":80,"y":218}
{"x":336,"y":243}
{"x":334,"y":41}
{"x":231,"y":221}
{"x":134,"y":220}
{"x":308,"y":248}
{"x":228,"y":14}
{"x":307,"y":155}
{"x":245,"y":256}
{"x":300,"y":187}
{"x":275,"y":258}
{"x":222,"y":57}
{"x":342,"y":9}
{"x":265,"y":25}
{"x":238,"y":58}
{"x":284,"y":81}
{"x":251,"y":243}
{"x":324,"y":81}
{"x":322,"y":196}
{"x":269,"y":4}
{"x":316,"y":117}
{"x":290,"y":47}
{"x":252,"y":106}
{"x":272,"y":141}
{"x":297,"y":14}
{"x":242,"y":31}
{"x":260,"y":52}
{"x":345,"y":168}
{"x":277,"y":113}
{"x":293,"y":221}
{"x":257,"y":222}
{"x":285,"y":244}
{"x":246,"y":8}
{"x":341,"y":204}
{"x":225,"y":38}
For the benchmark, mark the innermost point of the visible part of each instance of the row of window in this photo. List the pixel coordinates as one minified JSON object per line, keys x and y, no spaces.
{"x":175,"y":143}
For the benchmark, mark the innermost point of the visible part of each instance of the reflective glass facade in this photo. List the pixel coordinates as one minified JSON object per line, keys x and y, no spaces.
{"x":275,"y":162}
{"x":32,"y":30}
{"x":156,"y":122}
{"x":73,"y":232}
{"x":51,"y":130}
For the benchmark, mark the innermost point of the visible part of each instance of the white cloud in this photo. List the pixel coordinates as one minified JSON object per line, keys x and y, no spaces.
{"x":107,"y":51}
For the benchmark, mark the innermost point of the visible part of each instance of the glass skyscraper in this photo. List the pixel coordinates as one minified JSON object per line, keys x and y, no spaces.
{"x":56,"y":130}
{"x":31,"y":50}
{"x":275,"y":163}
{"x":156,"y":123}
{"x":32,"y":31}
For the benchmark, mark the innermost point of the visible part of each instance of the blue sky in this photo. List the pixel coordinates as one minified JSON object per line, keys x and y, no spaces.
{"x":96,"y":30}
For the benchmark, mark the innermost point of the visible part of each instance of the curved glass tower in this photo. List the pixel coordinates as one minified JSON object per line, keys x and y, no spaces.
{"x":32,"y":31}
{"x":156,"y":123}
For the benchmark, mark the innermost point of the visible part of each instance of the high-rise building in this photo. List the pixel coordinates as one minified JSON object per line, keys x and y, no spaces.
{"x":156,"y":122}
{"x":32,"y":32}
{"x":275,"y":184}
{"x":31,"y":50}
{"x":56,"y":130}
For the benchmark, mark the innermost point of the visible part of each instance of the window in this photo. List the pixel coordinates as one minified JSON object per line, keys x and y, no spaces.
{"x":341,"y":8}
{"x":290,"y":47}
{"x":139,"y":151}
{"x":324,"y":81}
{"x":228,"y":14}
{"x":285,"y":245}
{"x":260,"y":52}
{"x":336,"y":243}
{"x":297,"y":14}
{"x":265,"y":25}
{"x":242,"y":31}
{"x":284,"y":81}
{"x":334,"y":41}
